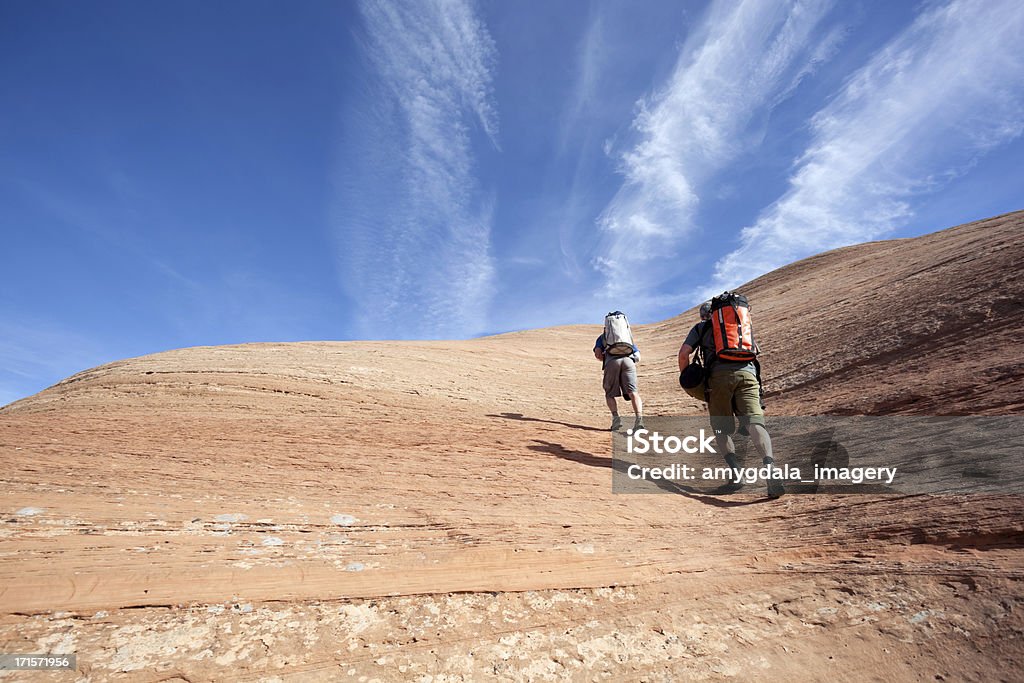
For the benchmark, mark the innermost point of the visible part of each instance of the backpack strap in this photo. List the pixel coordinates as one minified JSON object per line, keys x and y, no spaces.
{"x":706,"y":360}
{"x":705,"y":330}
{"x":698,"y":354}
{"x":760,"y":384}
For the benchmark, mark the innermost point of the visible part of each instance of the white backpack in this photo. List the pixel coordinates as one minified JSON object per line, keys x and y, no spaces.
{"x":618,"y":339}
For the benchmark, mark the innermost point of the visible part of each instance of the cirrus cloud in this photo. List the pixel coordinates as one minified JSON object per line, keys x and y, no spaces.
{"x":921,"y":112}
{"x":413,"y":222}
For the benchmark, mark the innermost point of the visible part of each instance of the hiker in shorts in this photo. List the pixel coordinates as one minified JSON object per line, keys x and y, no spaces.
{"x":620,"y":379}
{"x":733,"y":390}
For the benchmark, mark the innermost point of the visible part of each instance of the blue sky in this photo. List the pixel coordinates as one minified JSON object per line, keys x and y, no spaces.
{"x":195,"y":173}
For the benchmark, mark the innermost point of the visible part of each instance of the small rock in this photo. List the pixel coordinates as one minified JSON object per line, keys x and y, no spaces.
{"x":231,"y":517}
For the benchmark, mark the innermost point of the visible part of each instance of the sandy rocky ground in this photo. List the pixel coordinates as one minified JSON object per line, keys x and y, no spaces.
{"x":443,"y":511}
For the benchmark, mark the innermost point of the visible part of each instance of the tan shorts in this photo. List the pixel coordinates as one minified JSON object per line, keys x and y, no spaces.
{"x":619,"y":377}
{"x":734,"y":392}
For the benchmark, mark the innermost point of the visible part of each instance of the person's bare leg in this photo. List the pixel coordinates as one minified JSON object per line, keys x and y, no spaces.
{"x":724,"y":444}
{"x":638,"y":405}
{"x":763,"y":443}
{"x":614,"y":408}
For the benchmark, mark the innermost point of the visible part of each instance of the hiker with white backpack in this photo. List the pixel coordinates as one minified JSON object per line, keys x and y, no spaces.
{"x":727,"y":375}
{"x":619,"y":356}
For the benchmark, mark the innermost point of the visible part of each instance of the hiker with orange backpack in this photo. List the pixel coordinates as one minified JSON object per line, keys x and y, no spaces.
{"x":731,"y":379}
{"x":619,"y":356}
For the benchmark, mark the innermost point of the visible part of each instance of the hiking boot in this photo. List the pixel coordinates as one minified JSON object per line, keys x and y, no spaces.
{"x":638,"y":425}
{"x":775,"y":488}
{"x":735,"y":483}
{"x":616,"y":423}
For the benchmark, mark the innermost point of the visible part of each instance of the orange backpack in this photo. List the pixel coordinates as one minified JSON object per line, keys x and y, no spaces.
{"x":731,"y":328}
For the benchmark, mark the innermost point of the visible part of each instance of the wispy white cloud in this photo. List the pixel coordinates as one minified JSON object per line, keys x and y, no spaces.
{"x":591,"y":53}
{"x":922,"y":111}
{"x":573,"y":213}
{"x":233,"y":304}
{"x":414,"y":220}
{"x":36,"y":354}
{"x":744,"y":59}
{"x":10,"y":396}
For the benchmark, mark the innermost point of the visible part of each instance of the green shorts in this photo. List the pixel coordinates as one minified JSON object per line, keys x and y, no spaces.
{"x":734,"y":392}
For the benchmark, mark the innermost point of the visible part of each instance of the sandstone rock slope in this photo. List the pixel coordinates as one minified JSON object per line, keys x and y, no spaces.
{"x":443,"y":510}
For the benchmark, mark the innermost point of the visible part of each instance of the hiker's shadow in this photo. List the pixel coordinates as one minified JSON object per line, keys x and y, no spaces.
{"x":522,"y":418}
{"x":819,"y":449}
{"x":622,"y":466}
{"x":581,"y":457}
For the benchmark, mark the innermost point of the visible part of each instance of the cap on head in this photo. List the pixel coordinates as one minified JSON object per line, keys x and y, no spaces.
{"x":705,"y":310}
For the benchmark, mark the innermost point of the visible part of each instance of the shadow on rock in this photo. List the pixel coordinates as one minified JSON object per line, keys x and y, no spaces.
{"x":522,"y":418}
{"x":622,"y":466}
